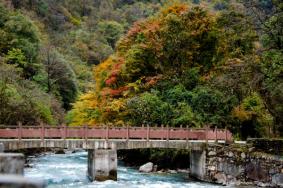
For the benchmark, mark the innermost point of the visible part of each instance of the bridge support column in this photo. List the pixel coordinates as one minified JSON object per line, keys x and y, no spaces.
{"x":102,"y":164}
{"x":12,"y":163}
{"x":198,"y":164}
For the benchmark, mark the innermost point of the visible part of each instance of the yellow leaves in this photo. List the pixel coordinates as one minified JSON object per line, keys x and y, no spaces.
{"x":252,"y":107}
{"x":241,"y":114}
{"x":72,"y":19}
{"x":175,"y":9}
{"x":101,"y":71}
{"x":107,"y":73}
{"x":117,"y":105}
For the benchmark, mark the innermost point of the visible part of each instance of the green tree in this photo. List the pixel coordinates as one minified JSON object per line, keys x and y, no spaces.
{"x":111,"y":31}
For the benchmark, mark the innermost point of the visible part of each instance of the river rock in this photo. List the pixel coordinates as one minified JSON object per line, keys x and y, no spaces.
{"x":230,"y":154}
{"x":221,"y":178}
{"x":61,"y":151}
{"x":186,"y":171}
{"x":277,"y":179}
{"x":154,"y":168}
{"x":161,"y":171}
{"x":211,"y":168}
{"x":148,"y":167}
{"x":212,"y":153}
{"x":172,"y":171}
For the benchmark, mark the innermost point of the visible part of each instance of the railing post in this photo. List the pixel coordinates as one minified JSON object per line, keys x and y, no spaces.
{"x":42,"y":131}
{"x":216,"y":134}
{"x":168,"y":133}
{"x":86,"y":132}
{"x":162,"y":129}
{"x":187,"y":135}
{"x":147,"y":133}
{"x":107,"y":132}
{"x":64,"y":131}
{"x":20,"y":130}
{"x":128,"y":133}
{"x":142,"y":131}
{"x":206,"y":133}
{"x":225,"y":134}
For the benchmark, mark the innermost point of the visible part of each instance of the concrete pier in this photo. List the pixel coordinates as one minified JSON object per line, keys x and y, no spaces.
{"x":2,"y":148}
{"x":198,"y":164}
{"x":16,"y":181}
{"x":12,"y":163}
{"x":102,"y":164}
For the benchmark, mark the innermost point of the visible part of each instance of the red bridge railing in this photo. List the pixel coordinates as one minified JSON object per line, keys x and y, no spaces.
{"x":107,"y":132}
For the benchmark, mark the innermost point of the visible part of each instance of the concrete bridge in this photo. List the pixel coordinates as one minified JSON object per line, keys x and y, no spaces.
{"x":102,"y":143}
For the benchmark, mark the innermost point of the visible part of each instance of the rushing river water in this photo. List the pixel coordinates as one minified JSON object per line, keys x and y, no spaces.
{"x":69,"y":170}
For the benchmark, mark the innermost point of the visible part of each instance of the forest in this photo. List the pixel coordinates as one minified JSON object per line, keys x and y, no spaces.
{"x":189,"y":63}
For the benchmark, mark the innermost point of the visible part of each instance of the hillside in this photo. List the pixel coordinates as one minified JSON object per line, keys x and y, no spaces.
{"x":196,"y":63}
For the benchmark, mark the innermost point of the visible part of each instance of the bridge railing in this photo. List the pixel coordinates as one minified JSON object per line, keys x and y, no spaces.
{"x":109,"y":132}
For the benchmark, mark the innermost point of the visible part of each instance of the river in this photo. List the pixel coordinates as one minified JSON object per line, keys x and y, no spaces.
{"x":69,"y":170}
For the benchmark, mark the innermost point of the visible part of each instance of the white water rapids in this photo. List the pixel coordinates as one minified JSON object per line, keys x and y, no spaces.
{"x":69,"y":171}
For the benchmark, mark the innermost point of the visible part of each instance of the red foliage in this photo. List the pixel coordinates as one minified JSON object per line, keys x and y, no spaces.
{"x":111,"y":80}
{"x":136,"y":29}
{"x":151,"y":81}
{"x":114,"y":92}
{"x":113,"y":77}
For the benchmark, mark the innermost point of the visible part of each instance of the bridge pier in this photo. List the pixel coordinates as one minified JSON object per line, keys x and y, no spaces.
{"x":102,"y":164}
{"x":198,"y":164}
{"x":12,"y":163}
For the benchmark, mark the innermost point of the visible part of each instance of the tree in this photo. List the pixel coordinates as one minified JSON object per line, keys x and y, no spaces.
{"x":111,"y":31}
{"x":161,"y":70}
{"x":60,"y":77}
{"x":22,"y":100}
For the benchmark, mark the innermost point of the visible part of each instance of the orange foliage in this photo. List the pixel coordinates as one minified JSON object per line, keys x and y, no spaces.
{"x":176,"y":9}
{"x":151,"y":81}
{"x":113,"y":92}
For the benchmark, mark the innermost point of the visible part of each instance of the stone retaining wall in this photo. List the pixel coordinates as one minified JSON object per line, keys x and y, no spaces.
{"x":241,"y":165}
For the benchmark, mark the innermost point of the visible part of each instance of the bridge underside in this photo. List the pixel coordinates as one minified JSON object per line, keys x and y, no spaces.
{"x":102,"y":154}
{"x":13,"y":144}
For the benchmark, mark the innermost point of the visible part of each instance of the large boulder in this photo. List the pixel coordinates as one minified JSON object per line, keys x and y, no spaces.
{"x":148,"y":167}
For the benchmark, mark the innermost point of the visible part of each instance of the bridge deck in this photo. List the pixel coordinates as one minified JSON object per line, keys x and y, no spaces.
{"x":13,"y":144}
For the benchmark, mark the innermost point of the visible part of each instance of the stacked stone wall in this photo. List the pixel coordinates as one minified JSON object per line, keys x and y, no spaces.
{"x":243,"y":165}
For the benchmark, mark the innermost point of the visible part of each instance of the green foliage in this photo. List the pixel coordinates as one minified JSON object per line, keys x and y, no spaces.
{"x":149,"y":109}
{"x":60,"y":79}
{"x":272,"y":68}
{"x":20,"y":41}
{"x":21,"y":100}
{"x":111,"y":31}
{"x":184,"y":115}
{"x":16,"y":56}
{"x":212,"y":106}
{"x":256,"y":119}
